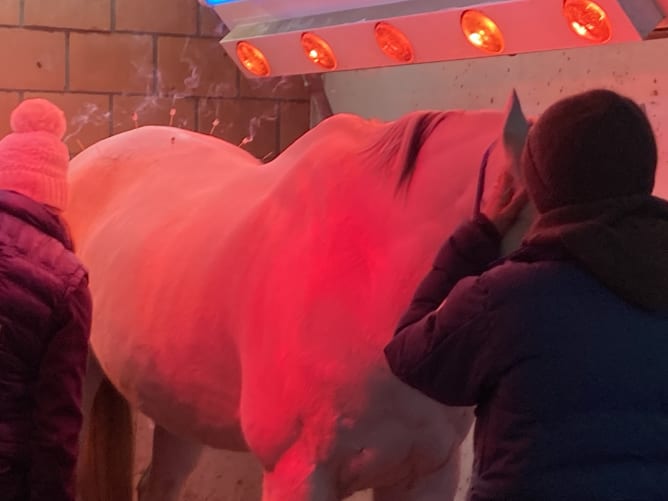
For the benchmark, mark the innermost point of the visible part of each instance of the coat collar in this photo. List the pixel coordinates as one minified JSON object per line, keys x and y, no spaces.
{"x":36,"y":215}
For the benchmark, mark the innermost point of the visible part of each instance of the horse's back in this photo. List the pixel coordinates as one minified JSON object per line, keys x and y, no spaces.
{"x":170,"y":167}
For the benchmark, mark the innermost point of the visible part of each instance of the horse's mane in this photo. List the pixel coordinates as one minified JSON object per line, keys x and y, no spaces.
{"x":398,"y":143}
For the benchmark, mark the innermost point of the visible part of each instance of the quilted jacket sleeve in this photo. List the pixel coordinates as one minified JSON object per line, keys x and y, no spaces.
{"x":438,"y":347}
{"x":58,"y":416}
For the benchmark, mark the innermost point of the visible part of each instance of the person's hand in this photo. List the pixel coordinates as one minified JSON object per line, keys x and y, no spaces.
{"x":505,"y":202}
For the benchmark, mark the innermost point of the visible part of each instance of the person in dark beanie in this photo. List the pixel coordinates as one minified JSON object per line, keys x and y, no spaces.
{"x":562,"y":346}
{"x":45,"y":312}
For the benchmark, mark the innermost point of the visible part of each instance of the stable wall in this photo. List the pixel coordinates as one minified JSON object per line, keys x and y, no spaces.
{"x":104,"y":60}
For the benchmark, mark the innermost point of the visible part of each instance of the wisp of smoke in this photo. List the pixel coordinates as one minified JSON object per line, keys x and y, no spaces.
{"x":255,"y":123}
{"x":278,"y":83}
{"x":91,"y":114}
{"x":156,"y":89}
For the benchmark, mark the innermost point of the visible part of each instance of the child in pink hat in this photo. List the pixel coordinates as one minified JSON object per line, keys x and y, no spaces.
{"x":45,"y":312}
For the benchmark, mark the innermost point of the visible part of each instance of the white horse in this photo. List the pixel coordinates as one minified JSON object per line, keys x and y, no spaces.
{"x":246,"y":306}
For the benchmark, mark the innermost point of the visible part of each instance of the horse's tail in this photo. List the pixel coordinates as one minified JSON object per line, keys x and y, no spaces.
{"x":106,"y":459}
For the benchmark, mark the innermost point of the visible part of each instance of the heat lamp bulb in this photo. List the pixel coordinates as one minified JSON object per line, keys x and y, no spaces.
{"x":318,"y":51}
{"x":482,"y":32}
{"x":253,"y":59}
{"x":588,"y":20}
{"x":394,"y":43}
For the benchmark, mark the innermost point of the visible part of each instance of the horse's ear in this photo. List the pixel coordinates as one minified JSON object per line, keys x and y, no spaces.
{"x":515,"y":128}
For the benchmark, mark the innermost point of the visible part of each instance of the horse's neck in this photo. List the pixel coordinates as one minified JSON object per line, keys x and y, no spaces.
{"x":513,"y":238}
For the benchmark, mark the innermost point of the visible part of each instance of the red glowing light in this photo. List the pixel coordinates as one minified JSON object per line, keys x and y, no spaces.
{"x":253,"y":59}
{"x":394,"y":43}
{"x":319,"y":51}
{"x":482,"y":32}
{"x":588,"y":20}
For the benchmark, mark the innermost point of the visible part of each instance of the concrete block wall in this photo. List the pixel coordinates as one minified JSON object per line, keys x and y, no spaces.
{"x":638,"y":70}
{"x":103,"y":61}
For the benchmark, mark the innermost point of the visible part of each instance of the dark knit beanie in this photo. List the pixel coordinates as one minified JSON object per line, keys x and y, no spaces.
{"x":589,"y":147}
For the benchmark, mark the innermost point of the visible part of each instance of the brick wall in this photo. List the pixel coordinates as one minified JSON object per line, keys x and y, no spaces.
{"x":103,"y":61}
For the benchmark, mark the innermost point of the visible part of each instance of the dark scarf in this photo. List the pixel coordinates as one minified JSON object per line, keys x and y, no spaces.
{"x":623,"y":242}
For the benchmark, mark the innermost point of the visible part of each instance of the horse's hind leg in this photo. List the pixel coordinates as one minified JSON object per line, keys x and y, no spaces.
{"x":173,"y":460}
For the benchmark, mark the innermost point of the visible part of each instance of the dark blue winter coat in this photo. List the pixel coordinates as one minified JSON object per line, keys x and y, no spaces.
{"x":45,"y":315}
{"x":570,"y":382}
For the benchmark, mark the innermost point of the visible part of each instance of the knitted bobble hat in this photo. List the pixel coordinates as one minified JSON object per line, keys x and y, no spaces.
{"x":33,"y":158}
{"x":590,"y":147}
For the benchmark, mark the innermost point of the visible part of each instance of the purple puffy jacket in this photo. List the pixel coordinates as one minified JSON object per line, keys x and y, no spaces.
{"x":45,"y":316}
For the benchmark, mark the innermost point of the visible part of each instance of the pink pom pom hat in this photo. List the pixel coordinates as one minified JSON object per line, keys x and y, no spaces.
{"x":33,"y":158}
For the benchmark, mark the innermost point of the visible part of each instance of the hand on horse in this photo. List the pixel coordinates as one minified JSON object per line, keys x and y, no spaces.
{"x":505,"y":202}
